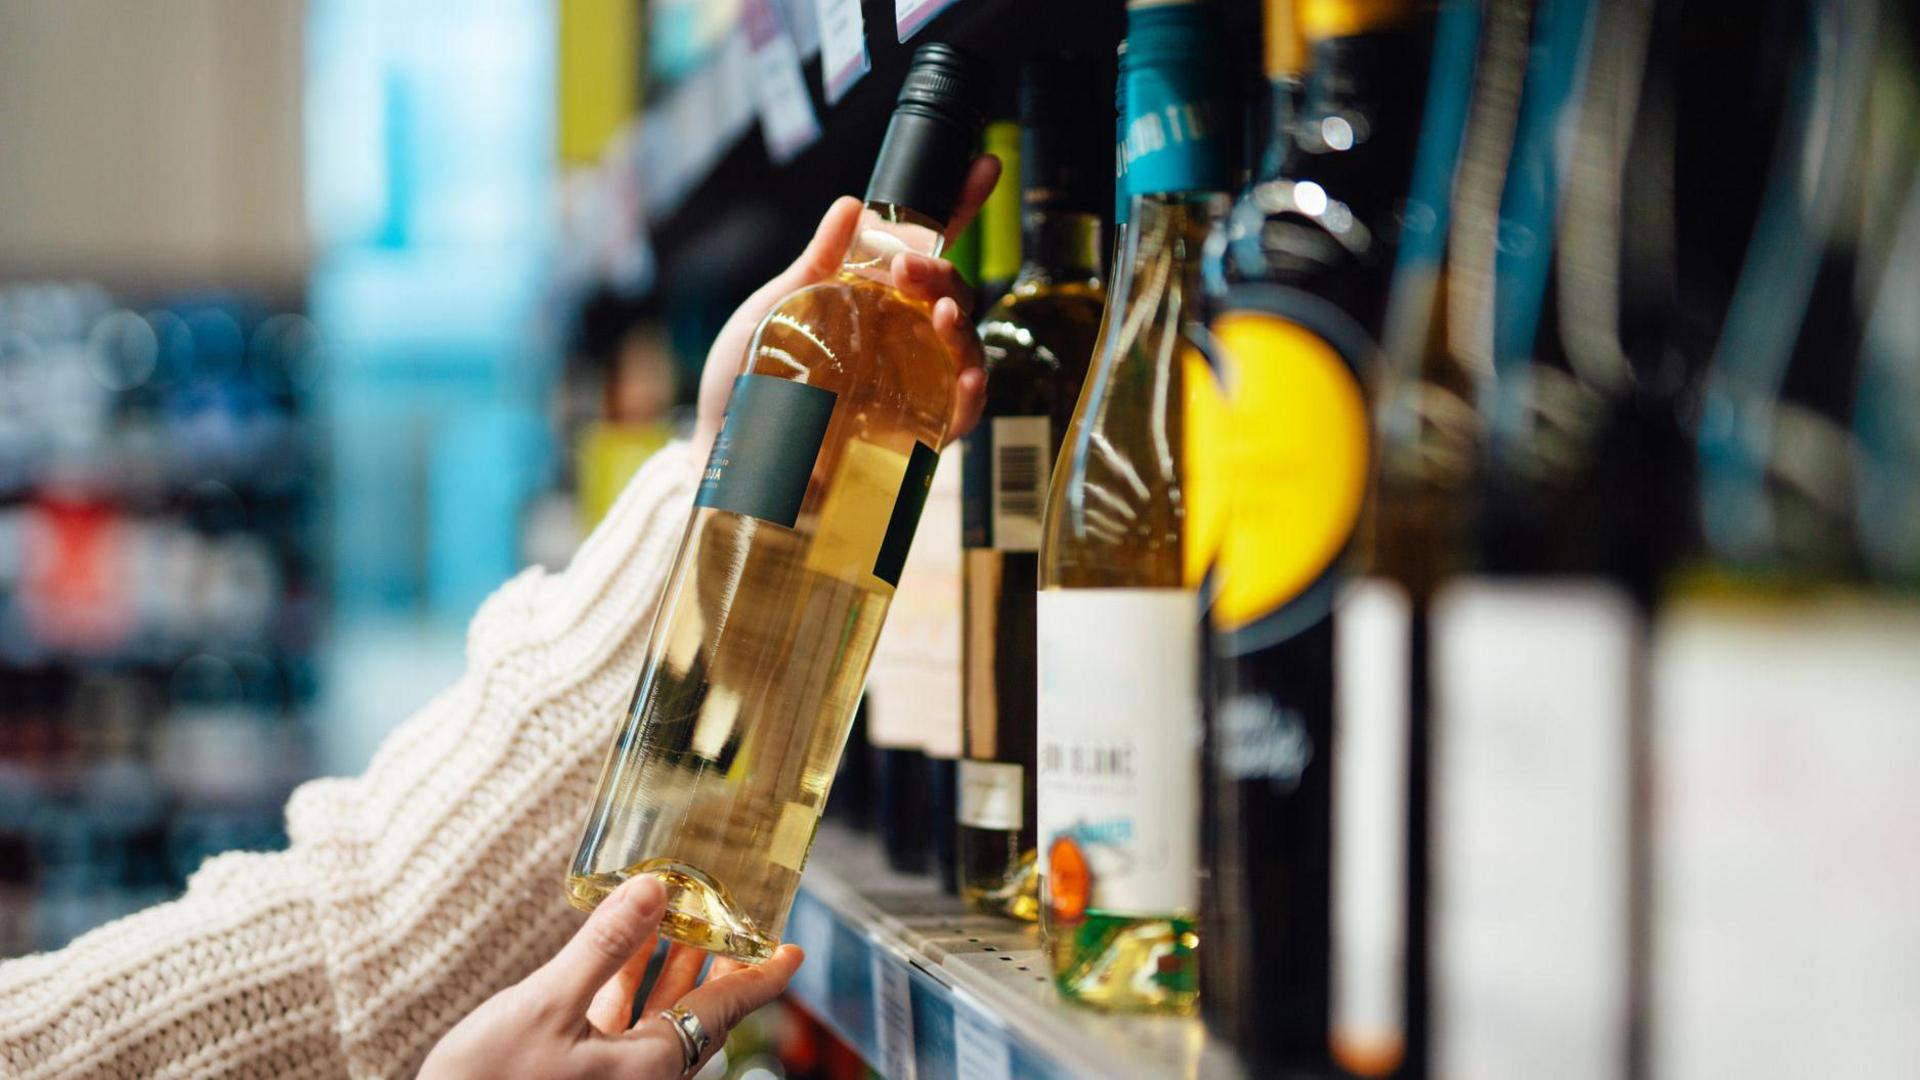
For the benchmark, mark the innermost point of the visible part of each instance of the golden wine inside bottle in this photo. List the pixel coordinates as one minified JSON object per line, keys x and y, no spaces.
{"x":765,"y":632}
{"x":801,"y":526}
{"x":1118,"y":703}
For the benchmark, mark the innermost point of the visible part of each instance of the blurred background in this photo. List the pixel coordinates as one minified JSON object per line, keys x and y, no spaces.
{"x":320,"y":319}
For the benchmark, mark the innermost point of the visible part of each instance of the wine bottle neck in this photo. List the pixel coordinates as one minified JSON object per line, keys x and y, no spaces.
{"x":887,"y":230}
{"x":1000,"y":215}
{"x":1059,"y":246}
{"x":1177,"y":132}
{"x":1165,"y":237}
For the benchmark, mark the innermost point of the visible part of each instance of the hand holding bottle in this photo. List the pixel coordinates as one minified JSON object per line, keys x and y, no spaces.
{"x":928,"y":280}
{"x":846,"y":374}
{"x":569,"y":1018}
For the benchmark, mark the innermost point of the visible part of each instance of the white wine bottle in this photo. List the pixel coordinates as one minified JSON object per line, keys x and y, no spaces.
{"x":800,"y":528}
{"x":1117,"y":615}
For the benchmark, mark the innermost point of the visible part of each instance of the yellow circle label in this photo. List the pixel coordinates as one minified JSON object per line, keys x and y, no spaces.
{"x":1203,"y":475}
{"x":1296,"y":468}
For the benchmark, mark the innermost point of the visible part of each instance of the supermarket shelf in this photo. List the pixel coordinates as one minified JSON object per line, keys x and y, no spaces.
{"x":717,"y":213}
{"x":925,"y":989}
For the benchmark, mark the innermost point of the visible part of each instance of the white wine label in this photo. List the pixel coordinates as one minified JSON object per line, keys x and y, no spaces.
{"x":1118,"y":773}
{"x":1786,"y":839}
{"x":793,"y":836}
{"x":913,"y":685}
{"x":1022,"y":462}
{"x":1372,"y":646}
{"x":990,"y":795}
{"x":843,"y":46}
{"x":1532,"y":781}
{"x":856,"y":510}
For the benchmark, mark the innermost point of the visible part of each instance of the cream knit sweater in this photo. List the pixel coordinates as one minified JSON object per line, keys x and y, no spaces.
{"x":410,"y":893}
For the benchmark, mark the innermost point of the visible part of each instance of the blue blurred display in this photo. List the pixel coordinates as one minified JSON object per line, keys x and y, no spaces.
{"x":429,"y":179}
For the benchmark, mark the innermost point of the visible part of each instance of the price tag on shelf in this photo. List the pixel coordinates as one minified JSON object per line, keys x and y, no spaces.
{"x":843,"y":46}
{"x":892,"y":1014}
{"x":910,"y":15}
{"x":811,"y":928}
{"x":803,"y":24}
{"x":980,"y":1047}
{"x":779,"y":89}
{"x":730,"y":93}
{"x":686,"y":135}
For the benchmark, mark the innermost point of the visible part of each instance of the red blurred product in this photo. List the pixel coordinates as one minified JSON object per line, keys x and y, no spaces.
{"x":74,"y":583}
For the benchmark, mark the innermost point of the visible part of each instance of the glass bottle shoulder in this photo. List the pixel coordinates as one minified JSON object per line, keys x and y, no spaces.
{"x":1118,"y":505}
{"x":1042,"y":332}
{"x":865,"y":341}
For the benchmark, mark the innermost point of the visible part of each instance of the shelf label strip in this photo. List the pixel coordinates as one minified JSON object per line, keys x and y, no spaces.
{"x":892,"y":1014}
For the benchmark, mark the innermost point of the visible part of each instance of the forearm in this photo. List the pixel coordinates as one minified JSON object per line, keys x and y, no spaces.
{"x":409,"y":894}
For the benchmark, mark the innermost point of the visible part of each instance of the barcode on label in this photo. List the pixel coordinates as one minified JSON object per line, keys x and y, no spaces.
{"x":1022,"y":447}
{"x":1018,"y":473}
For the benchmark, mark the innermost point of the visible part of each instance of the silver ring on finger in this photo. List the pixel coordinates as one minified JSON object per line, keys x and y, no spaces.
{"x":693,"y":1036}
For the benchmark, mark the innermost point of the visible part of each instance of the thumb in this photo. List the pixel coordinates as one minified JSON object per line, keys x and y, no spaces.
{"x":623,"y":924}
{"x":827,"y":248}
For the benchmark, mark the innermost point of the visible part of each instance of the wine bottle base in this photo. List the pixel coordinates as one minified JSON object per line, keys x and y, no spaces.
{"x":1003,"y":902}
{"x":1127,"y":963}
{"x":699,"y":911}
{"x":1012,"y":895}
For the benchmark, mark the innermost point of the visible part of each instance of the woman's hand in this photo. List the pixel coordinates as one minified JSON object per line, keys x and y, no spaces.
{"x":932,"y":281}
{"x":569,"y":1019}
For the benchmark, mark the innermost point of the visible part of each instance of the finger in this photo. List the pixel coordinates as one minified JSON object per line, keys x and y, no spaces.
{"x":650,"y":1049}
{"x":824,"y":252}
{"x":612,"y":1008}
{"x":956,"y":332}
{"x":925,"y":279}
{"x":969,"y":401}
{"x":677,"y":976}
{"x":623,"y":924}
{"x":724,"y":1000}
{"x":982,"y":175}
{"x":723,"y":966}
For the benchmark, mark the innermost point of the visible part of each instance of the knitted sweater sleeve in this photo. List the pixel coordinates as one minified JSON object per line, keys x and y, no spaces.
{"x":409,"y":894}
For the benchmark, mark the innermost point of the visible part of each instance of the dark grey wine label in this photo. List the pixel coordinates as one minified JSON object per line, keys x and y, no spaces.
{"x":906,"y":513}
{"x":765,"y":453}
